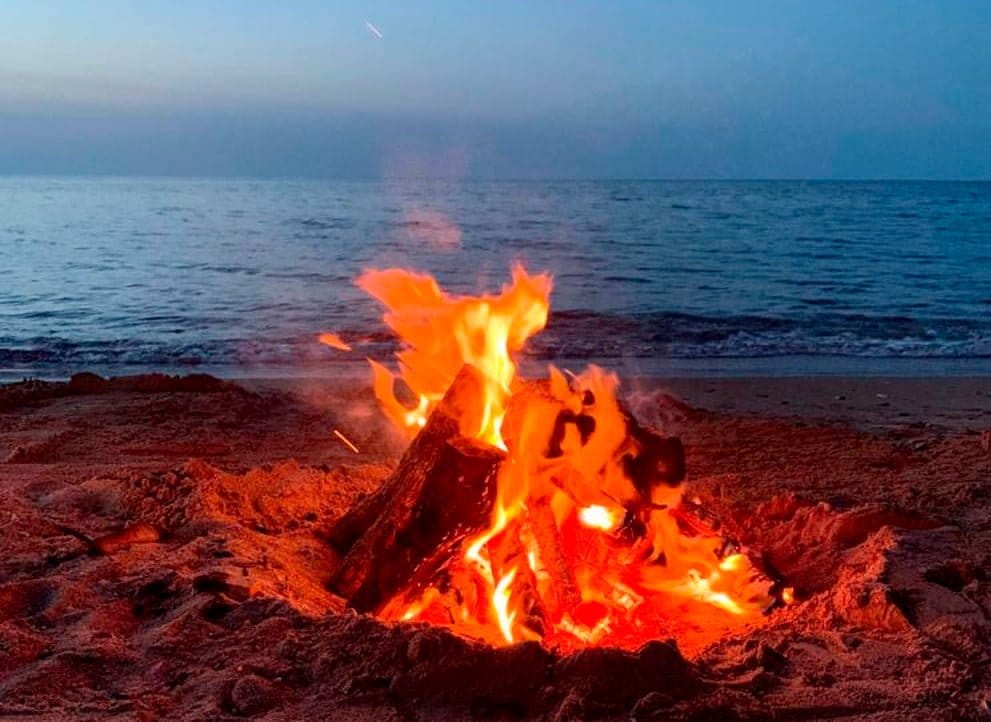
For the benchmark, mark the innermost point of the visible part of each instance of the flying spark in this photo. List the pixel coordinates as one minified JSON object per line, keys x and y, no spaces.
{"x":346,"y":441}
{"x":373,"y":30}
{"x":334,"y":341}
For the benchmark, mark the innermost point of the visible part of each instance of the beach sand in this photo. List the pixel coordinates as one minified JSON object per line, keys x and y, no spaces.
{"x":162,"y":555}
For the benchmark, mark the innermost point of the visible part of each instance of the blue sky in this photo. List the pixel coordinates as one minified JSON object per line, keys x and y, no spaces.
{"x":698,"y":89}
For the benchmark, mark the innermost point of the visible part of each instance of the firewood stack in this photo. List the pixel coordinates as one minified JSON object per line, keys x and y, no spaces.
{"x":408,"y":534}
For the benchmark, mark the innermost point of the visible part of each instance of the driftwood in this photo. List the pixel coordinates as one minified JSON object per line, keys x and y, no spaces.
{"x":442,"y":490}
{"x":139,"y":533}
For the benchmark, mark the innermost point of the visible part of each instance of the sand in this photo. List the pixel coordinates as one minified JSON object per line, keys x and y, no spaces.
{"x":162,"y":555}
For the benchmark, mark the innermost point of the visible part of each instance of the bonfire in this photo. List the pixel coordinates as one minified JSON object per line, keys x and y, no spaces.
{"x":530,"y":509}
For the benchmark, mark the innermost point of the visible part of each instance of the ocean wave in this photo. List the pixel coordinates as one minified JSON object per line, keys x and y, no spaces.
{"x":760,"y":269}
{"x":569,"y":334}
{"x":574,"y":334}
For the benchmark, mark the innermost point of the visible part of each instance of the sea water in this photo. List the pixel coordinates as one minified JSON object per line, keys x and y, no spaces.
{"x":238,"y":277}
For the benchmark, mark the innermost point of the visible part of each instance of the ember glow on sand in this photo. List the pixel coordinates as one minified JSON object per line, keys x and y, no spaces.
{"x":575,"y":553}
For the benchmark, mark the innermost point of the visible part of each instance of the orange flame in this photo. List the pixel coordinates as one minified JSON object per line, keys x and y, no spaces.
{"x":442,"y":333}
{"x":597,"y":561}
{"x":333,"y":341}
{"x":501,"y":602}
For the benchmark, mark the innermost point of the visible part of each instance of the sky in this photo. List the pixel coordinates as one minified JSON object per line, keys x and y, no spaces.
{"x":550,"y":89}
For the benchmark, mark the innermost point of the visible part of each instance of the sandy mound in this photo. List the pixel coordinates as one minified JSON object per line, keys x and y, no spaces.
{"x":136,"y":582}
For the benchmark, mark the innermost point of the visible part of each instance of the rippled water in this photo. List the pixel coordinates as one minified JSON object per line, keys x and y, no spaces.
{"x":238,"y":276}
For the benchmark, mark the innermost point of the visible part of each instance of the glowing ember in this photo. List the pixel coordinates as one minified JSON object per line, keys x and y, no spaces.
{"x":583,"y":547}
{"x":600,"y":517}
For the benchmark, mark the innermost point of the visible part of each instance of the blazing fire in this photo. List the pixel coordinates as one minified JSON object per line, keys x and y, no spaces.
{"x":444,"y":333}
{"x":587,"y":541}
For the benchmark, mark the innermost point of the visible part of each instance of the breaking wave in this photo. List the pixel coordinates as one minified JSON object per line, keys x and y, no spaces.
{"x":569,"y":334}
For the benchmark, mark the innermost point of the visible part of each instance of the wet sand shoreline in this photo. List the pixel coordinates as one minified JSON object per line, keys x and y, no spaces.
{"x":961,"y":403}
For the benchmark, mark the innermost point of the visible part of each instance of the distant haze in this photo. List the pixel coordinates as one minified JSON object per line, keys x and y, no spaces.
{"x":556,"y":89}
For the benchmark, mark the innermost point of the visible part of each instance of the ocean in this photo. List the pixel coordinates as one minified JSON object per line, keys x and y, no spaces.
{"x":237,"y":277}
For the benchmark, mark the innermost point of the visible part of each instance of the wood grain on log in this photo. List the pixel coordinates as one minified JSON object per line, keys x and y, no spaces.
{"x":442,"y":490}
{"x":458,"y":407}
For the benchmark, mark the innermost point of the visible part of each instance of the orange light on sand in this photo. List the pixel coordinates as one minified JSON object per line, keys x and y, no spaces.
{"x":566,"y":575}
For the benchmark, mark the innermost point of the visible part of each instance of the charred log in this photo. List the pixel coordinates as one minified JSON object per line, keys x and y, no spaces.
{"x":658,"y":459}
{"x":422,"y":526}
{"x":442,"y":490}
{"x":583,"y":422}
{"x":457,"y":407}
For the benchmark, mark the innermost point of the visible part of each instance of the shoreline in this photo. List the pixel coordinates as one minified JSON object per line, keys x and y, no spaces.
{"x":957,"y":404}
{"x":354,"y":365}
{"x":960,"y":404}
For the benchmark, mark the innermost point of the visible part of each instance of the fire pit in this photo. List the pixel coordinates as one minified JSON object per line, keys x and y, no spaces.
{"x":135,"y":579}
{"x":530,"y":509}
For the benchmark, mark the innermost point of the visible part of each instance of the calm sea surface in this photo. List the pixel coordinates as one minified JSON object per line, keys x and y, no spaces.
{"x":237,"y":277}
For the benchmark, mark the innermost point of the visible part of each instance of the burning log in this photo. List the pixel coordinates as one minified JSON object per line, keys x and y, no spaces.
{"x":509,"y":556}
{"x":442,"y":490}
{"x":648,"y":458}
{"x":657,"y":460}
{"x":564,"y":593}
{"x":422,"y":454}
{"x":420,"y":527}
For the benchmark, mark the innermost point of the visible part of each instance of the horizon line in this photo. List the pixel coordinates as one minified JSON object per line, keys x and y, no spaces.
{"x":471,"y":179}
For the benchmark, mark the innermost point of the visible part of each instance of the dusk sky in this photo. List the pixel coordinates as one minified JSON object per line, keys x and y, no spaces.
{"x":694,"y":89}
